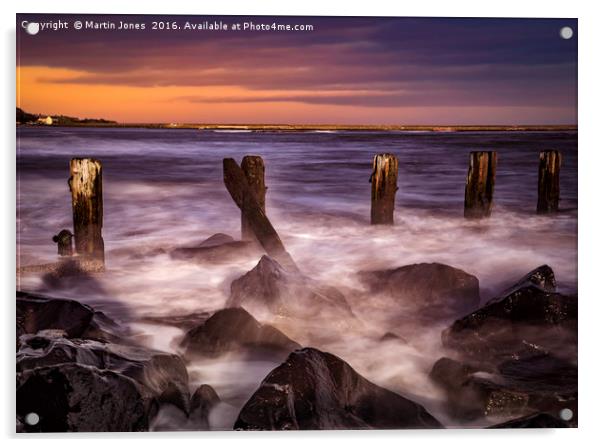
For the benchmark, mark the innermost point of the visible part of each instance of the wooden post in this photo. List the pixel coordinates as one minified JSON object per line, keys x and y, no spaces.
{"x":478,"y":195}
{"x":254,"y":170}
{"x":244,"y":197}
{"x":549,"y":182}
{"x":86,"y":198}
{"x":64,"y":242}
{"x":384,"y":187}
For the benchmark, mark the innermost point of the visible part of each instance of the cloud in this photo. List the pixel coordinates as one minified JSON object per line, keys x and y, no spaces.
{"x":366,"y":62}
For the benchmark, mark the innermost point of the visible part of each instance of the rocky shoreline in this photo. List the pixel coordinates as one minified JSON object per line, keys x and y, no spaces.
{"x":514,"y":358}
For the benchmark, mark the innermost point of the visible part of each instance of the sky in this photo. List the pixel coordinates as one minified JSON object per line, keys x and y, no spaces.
{"x":345,"y":71}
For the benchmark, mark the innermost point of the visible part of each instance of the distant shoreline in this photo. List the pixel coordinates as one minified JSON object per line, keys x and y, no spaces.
{"x":321,"y":127}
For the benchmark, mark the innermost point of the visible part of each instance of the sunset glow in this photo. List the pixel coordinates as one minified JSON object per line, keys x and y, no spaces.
{"x":360,"y":71}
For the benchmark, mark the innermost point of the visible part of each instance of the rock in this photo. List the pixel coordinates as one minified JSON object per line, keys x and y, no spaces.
{"x":170,"y":418}
{"x":314,"y":390}
{"x":217,"y":239}
{"x":542,"y":277}
{"x":537,"y":420}
{"x":528,"y":314}
{"x":451,"y":373}
{"x":163,"y":374}
{"x":472,"y":394}
{"x":533,"y":382}
{"x":235,"y":329}
{"x":270,"y":289}
{"x":203,"y":400}
{"x":218,"y":248}
{"x":75,"y":398}
{"x":391,"y":336}
{"x":436,"y":290}
{"x":37,"y":312}
{"x":550,"y":381}
{"x":184,"y":322}
{"x":102,"y":328}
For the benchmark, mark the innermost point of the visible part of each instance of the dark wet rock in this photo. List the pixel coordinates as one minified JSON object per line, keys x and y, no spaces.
{"x":235,"y":329}
{"x":314,"y":390}
{"x":550,"y":381}
{"x":37,"y":312}
{"x":174,"y":394}
{"x":218,"y":248}
{"x":538,"y":420}
{"x":451,"y":373}
{"x":170,"y":417}
{"x":528,"y":314}
{"x":269,"y":288}
{"x":163,"y":374}
{"x":203,"y":400}
{"x":542,"y":277}
{"x":531,"y":382}
{"x":541,"y":371}
{"x":437,"y":289}
{"x":472,"y":394}
{"x":105,"y":329}
{"x":75,"y":398}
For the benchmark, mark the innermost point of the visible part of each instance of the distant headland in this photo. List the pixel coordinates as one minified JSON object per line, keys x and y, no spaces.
{"x":29,"y":119}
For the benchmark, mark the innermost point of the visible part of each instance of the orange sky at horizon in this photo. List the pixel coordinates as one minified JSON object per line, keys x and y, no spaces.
{"x":39,"y":91}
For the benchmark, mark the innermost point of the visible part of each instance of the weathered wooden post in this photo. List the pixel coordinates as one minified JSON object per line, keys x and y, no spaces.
{"x":478,"y":195}
{"x":254,"y":169}
{"x":549,"y":182}
{"x":64,"y":242}
{"x":240,"y":191}
{"x":384,"y":187}
{"x":86,"y":199}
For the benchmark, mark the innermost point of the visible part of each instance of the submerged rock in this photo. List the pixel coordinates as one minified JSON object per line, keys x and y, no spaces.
{"x":163,"y":375}
{"x":218,"y":248}
{"x":70,"y":397}
{"x":435,"y":289}
{"x":391,"y":336}
{"x":315,"y":390}
{"x":235,"y":329}
{"x":269,"y":288}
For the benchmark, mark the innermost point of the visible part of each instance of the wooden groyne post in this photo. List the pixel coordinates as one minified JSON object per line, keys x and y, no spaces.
{"x":548,"y":190}
{"x":254,"y":170}
{"x":64,"y":241}
{"x":244,"y":197}
{"x":384,"y":187}
{"x":86,"y":199}
{"x":478,"y":195}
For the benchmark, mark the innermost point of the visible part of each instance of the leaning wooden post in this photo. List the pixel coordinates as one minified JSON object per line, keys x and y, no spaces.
{"x":86,"y":198}
{"x":238,"y":187}
{"x":254,"y":169}
{"x":549,"y":182}
{"x":478,"y":195}
{"x":384,"y":187}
